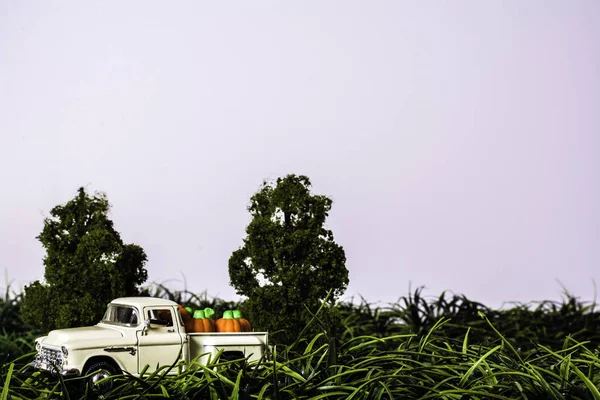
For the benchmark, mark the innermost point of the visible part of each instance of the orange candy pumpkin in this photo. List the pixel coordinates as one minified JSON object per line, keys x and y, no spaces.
{"x":228,"y":323}
{"x":185,"y":315}
{"x":201,"y":323}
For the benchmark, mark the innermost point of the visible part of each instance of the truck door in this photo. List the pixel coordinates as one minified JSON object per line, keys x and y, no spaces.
{"x":162,"y":344}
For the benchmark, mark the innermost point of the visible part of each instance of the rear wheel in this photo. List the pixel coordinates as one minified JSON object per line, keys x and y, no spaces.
{"x":97,"y":372}
{"x":232,"y":355}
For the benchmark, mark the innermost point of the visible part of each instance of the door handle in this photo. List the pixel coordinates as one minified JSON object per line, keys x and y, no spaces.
{"x":171,"y":330}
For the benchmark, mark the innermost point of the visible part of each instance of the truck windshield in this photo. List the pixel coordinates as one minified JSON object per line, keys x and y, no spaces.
{"x":121,"y":315}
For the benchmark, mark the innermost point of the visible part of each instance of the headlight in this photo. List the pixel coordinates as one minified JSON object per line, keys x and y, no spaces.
{"x":38,"y":346}
{"x":64,"y":350}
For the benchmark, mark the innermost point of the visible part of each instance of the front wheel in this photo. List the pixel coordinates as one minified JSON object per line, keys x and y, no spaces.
{"x":97,"y":372}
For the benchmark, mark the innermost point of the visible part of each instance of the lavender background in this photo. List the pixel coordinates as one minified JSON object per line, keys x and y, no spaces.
{"x":458,"y":140}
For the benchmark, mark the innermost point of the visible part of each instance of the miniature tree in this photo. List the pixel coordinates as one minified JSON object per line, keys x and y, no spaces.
{"x":87,"y":266}
{"x":289,"y":262}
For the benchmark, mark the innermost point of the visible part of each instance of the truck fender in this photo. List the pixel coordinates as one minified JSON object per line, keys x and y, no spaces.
{"x":97,"y":359}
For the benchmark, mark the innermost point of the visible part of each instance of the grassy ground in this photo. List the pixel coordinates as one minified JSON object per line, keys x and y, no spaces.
{"x":443,"y":348}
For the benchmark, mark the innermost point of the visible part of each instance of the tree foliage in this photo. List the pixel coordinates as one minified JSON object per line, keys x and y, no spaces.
{"x":289,"y":262}
{"x":87,"y":266}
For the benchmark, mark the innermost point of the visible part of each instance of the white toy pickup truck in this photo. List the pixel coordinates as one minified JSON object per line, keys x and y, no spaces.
{"x":139,"y":334}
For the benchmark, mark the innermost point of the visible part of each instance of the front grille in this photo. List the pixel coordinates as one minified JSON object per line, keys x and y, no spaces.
{"x":48,"y":357}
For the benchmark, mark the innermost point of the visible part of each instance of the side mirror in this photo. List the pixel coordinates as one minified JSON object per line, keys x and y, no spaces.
{"x":145,"y":328}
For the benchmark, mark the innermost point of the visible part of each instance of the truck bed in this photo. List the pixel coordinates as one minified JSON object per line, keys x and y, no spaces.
{"x":206,"y":345}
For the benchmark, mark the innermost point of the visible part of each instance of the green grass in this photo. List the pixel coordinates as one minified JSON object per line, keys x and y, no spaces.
{"x":443,"y":348}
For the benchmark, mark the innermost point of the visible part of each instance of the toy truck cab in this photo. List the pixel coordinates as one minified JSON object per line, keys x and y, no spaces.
{"x":137,"y":334}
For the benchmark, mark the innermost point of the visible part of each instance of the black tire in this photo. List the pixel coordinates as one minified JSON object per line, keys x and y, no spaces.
{"x":99,"y":370}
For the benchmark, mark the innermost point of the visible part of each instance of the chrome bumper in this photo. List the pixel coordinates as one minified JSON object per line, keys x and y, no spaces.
{"x":54,"y":369}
